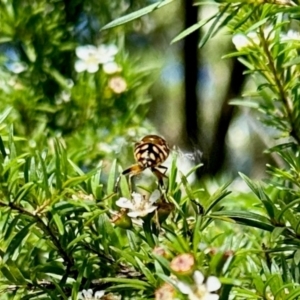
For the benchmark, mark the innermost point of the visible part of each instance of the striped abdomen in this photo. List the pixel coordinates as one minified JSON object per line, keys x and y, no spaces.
{"x":151,"y":151}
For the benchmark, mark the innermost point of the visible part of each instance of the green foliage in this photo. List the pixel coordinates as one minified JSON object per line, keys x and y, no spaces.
{"x":62,"y":228}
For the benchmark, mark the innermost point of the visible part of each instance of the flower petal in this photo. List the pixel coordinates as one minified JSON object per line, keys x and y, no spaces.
{"x":99,"y":294}
{"x":84,"y":52}
{"x":198,"y":277}
{"x":135,"y":214}
{"x":213,"y":283}
{"x":137,"y":198}
{"x":112,"y":50}
{"x":154,"y":196}
{"x":150,"y":209}
{"x":184,"y":288}
{"x":211,"y":297}
{"x":87,"y":293}
{"x":141,"y":213}
{"x":240,"y":41}
{"x":124,"y":203}
{"x":80,"y":66}
{"x":138,"y":222}
{"x":111,"y":67}
{"x":92,"y":68}
{"x":18,"y":67}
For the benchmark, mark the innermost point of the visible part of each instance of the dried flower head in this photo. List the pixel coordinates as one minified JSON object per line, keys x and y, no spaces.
{"x":165,"y":292}
{"x":117,"y":84}
{"x":183,"y":263}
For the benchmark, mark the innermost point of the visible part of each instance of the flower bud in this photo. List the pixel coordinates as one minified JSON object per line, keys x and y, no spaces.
{"x":121,"y":219}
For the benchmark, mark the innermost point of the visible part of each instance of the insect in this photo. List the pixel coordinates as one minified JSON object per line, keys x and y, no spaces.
{"x":150,"y":152}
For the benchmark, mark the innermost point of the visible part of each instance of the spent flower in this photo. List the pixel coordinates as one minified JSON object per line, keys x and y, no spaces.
{"x":183,"y":263}
{"x":117,"y":84}
{"x":165,"y":292}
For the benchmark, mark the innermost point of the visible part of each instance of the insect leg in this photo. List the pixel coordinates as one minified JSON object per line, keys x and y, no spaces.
{"x":159,"y":175}
{"x":131,"y":171}
{"x":165,"y":170}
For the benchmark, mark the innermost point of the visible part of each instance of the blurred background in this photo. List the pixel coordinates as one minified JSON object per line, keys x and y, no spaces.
{"x":55,"y":83}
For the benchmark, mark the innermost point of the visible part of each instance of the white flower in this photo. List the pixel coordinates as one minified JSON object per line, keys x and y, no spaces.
{"x":200,"y":290}
{"x":88,"y":295}
{"x":106,"y":53}
{"x":291,"y":35}
{"x":111,"y":68}
{"x":17,"y":67}
{"x":117,"y":84}
{"x":242,"y":41}
{"x":139,"y":206}
{"x":90,"y":57}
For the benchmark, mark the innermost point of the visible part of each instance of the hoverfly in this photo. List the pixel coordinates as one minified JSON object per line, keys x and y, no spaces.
{"x":150,"y":152}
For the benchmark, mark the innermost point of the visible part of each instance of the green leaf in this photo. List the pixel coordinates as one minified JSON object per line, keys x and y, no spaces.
{"x":125,"y":187}
{"x":137,"y":14}
{"x":280,"y":147}
{"x":8,"y":275}
{"x":52,"y":267}
{"x":191,"y":29}
{"x":212,"y":27}
{"x":187,"y":188}
{"x":293,"y":295}
{"x":45,"y":175}
{"x":59,"y":289}
{"x":75,"y":181}
{"x":2,"y":148}
{"x":111,"y":178}
{"x":5,"y":114}
{"x":245,"y":218}
{"x":16,"y":272}
{"x":274,"y":282}
{"x":297,"y":257}
{"x":128,"y":257}
{"x":287,"y":207}
{"x":217,"y":197}
{"x":277,"y":232}
{"x":95,"y":181}
{"x":18,"y":239}
{"x":77,"y":240}
{"x":173,"y":174}
{"x":245,"y":17}
{"x":150,"y":277}
{"x":76,"y":168}
{"x":58,"y":223}
{"x":257,"y":25}
{"x":163,"y":261}
{"x":294,"y":61}
{"x":23,"y":191}
{"x":58,"y":77}
{"x":132,"y":282}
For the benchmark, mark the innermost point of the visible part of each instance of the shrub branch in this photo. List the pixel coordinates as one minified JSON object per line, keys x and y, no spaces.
{"x":284,"y":97}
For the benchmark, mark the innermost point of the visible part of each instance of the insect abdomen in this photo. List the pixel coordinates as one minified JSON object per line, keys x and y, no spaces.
{"x":150,"y":155}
